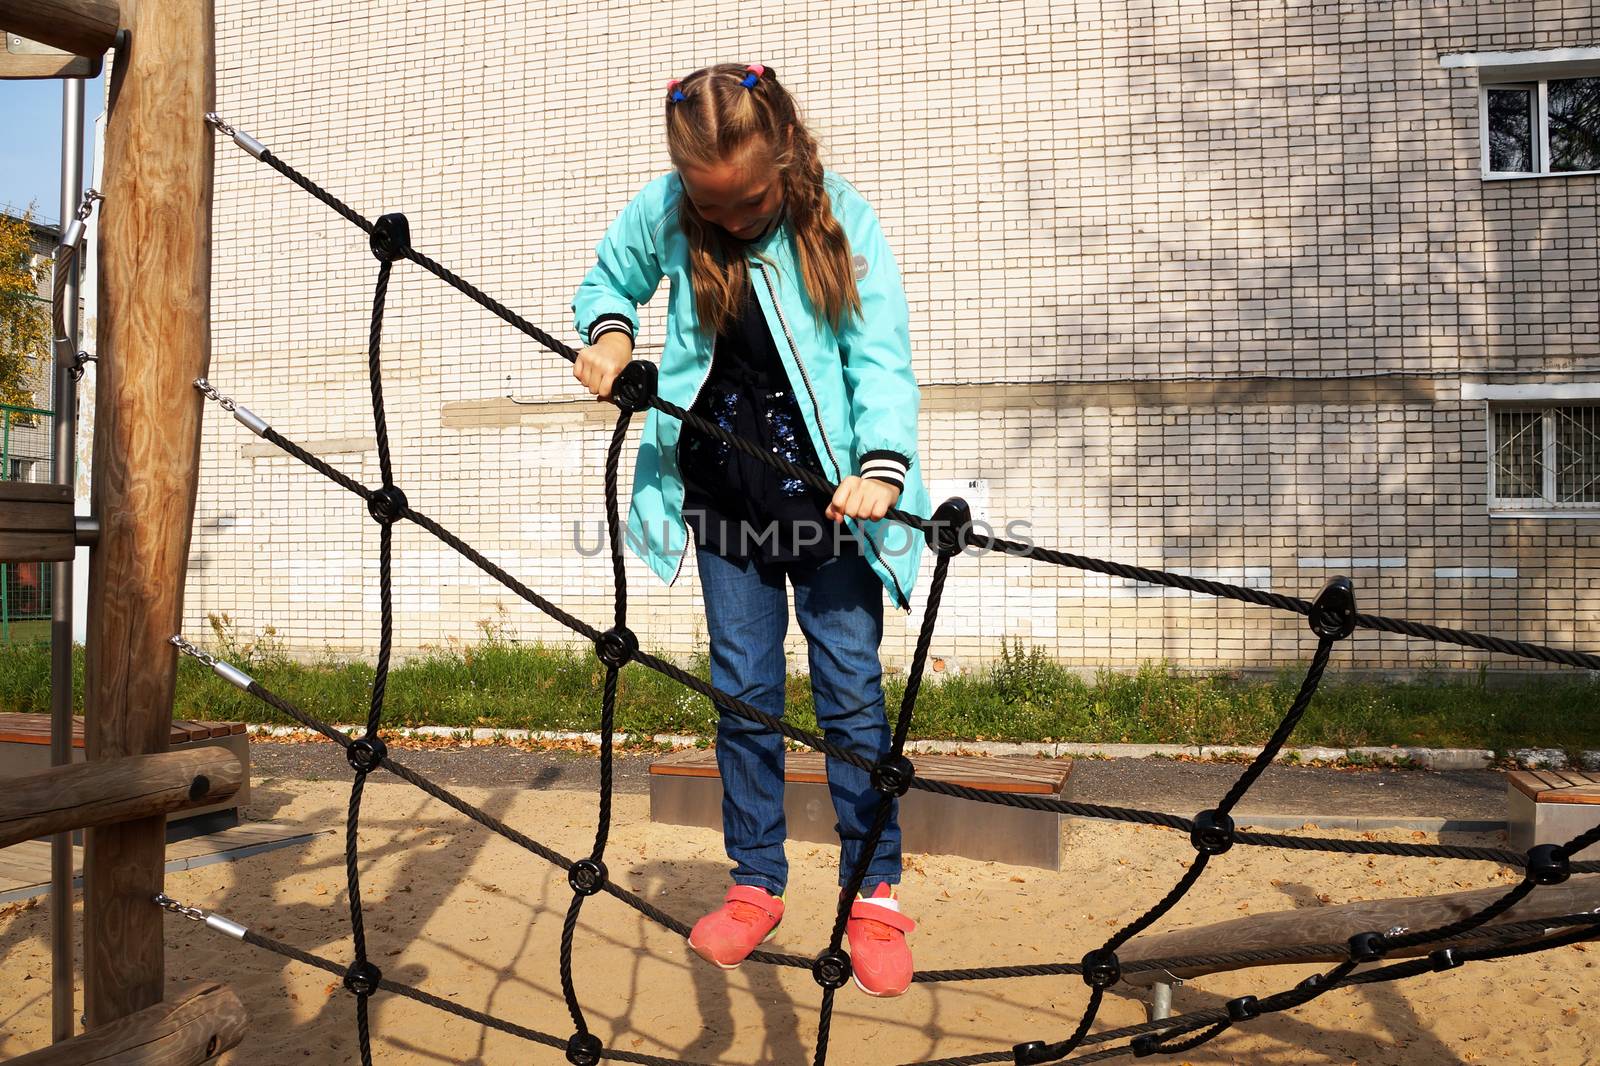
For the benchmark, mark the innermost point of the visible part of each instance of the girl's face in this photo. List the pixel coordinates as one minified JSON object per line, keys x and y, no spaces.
{"x":742,"y":196}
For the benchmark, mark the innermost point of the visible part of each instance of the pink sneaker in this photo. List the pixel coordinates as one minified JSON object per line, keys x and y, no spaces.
{"x":747,"y":919}
{"x":879,"y":956}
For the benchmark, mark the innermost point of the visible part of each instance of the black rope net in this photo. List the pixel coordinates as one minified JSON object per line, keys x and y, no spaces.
{"x":1332,"y":617}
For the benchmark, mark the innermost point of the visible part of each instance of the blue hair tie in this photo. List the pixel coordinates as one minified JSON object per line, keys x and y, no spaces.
{"x":752,"y":75}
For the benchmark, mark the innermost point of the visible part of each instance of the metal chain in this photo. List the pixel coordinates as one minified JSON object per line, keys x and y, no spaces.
{"x":193,"y":652}
{"x":167,"y":903}
{"x":211,"y":393}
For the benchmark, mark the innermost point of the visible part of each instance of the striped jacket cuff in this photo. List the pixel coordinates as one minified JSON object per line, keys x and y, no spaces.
{"x":609,"y":324}
{"x":885,"y":465}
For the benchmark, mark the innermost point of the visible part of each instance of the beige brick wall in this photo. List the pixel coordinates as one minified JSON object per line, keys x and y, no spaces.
{"x":1192,"y":286}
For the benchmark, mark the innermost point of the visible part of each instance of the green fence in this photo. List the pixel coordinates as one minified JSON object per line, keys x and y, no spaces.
{"x":24,"y":587}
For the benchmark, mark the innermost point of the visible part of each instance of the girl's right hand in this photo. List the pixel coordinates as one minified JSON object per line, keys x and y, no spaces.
{"x":599,"y":364}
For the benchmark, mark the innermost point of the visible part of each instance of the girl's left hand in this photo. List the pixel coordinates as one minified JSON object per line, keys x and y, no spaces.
{"x":864,"y":498}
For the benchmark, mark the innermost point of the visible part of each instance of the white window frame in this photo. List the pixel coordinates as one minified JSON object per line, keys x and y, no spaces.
{"x":1528,"y":70}
{"x":1542,"y":398}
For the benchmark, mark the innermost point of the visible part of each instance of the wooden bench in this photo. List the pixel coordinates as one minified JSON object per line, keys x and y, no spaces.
{"x":25,"y":748}
{"x":685,"y":790}
{"x":1551,"y":807}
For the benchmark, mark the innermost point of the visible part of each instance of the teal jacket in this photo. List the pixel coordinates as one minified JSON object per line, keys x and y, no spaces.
{"x":855,"y":387}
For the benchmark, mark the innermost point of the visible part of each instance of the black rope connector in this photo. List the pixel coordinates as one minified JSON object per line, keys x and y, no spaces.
{"x":952,"y":521}
{"x":617,"y":646}
{"x":1313,"y":983}
{"x":831,"y":969}
{"x":391,"y":237}
{"x":1446,"y":958}
{"x":893,"y":776}
{"x":634,"y":389}
{"x":1548,"y":864}
{"x":587,"y":876}
{"x":583,"y":1049}
{"x":387,"y":505}
{"x":1368,"y":947}
{"x":366,"y":753}
{"x":1101,"y":968}
{"x":1031,"y":1053}
{"x":362,"y":978}
{"x":1333,"y":615}
{"x":1146,"y":1045}
{"x":1243,"y":1009}
{"x":1212,"y":833}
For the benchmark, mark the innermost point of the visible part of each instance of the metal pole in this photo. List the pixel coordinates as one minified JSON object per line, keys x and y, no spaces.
{"x":64,"y":473}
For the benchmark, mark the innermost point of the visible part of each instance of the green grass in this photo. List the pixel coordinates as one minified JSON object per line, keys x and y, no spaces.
{"x":1023,"y":696}
{"x":33,"y":631}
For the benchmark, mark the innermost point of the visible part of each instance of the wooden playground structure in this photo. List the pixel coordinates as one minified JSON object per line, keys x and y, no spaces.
{"x":154,"y":329}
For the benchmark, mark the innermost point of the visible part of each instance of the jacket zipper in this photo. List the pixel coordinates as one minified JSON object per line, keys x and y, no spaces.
{"x":817,"y":413}
{"x":683,"y":522}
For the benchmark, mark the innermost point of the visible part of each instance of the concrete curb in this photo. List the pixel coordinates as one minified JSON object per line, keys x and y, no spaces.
{"x":1421,"y":758}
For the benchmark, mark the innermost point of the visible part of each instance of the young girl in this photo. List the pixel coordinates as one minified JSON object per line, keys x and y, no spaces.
{"x":786,"y":324}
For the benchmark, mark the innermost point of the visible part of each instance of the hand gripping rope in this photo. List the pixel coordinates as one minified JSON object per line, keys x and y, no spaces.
{"x":1332,"y":617}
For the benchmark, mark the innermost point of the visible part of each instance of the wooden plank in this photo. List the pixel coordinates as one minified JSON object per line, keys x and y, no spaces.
{"x":154,"y":340}
{"x":82,"y":27}
{"x":25,"y":867}
{"x":1336,"y":924}
{"x":25,"y":67}
{"x":197,"y":1024}
{"x":36,"y":517}
{"x":1002,"y":774}
{"x":36,"y":526}
{"x":26,"y":728}
{"x":1525,"y":783}
{"x":23,"y":546}
{"x":84,"y":794}
{"x":26,"y":492}
{"x":1589,"y":794}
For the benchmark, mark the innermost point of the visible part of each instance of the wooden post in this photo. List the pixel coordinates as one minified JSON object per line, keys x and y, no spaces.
{"x":82,"y":27}
{"x":155,"y":245}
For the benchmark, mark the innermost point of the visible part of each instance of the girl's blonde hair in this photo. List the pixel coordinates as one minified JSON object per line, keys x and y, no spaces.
{"x":712,"y":118}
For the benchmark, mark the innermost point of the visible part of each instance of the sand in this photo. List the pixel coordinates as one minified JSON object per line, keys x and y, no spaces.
{"x":470,"y":917}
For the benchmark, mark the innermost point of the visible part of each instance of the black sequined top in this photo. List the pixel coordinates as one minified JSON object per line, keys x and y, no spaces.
{"x":737,"y":507}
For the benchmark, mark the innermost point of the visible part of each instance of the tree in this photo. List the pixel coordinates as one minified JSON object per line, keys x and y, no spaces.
{"x":24,"y":318}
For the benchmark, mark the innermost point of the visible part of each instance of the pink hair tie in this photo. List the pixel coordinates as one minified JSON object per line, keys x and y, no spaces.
{"x":753,"y":75}
{"x":676,"y":93}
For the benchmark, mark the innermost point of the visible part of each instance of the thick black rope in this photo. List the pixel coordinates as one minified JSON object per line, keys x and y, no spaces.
{"x":591,"y":875}
{"x":380,"y":420}
{"x":1280,"y":736}
{"x":587,"y":876}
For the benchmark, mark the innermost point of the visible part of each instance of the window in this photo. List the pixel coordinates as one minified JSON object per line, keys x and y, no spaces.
{"x":1550,"y":126}
{"x":1544,"y":458}
{"x":1539,"y":111}
{"x":21,"y":470}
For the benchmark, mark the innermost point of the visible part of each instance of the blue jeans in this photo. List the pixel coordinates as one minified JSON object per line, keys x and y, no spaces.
{"x":839,"y":606}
